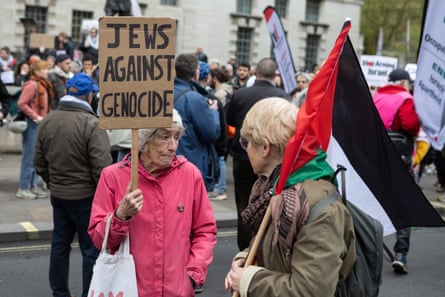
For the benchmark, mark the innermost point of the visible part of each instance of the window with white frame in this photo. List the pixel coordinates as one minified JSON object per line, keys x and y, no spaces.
{"x":169,"y":2}
{"x":40,"y":16}
{"x":281,"y":7}
{"x":244,"y":6}
{"x":78,"y":16}
{"x":312,"y":10}
{"x":243,"y":44}
{"x":312,"y":45}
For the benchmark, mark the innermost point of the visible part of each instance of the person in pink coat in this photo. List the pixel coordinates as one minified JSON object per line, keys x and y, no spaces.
{"x":169,"y":217}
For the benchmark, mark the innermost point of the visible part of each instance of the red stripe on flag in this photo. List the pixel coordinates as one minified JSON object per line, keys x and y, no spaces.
{"x":314,"y":120}
{"x":268,"y":11}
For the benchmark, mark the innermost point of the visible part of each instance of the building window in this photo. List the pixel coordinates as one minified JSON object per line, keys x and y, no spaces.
{"x":40,"y":16}
{"x":169,"y":2}
{"x":312,"y":10}
{"x":76,"y":32}
{"x":244,"y":6}
{"x":312,"y":45}
{"x":143,"y":7}
{"x":243,"y":44}
{"x":281,"y":7}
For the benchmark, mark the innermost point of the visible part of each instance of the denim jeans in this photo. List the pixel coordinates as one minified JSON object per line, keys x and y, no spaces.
{"x":221,"y":186}
{"x":28,"y":176}
{"x":402,"y":241}
{"x":70,"y":217}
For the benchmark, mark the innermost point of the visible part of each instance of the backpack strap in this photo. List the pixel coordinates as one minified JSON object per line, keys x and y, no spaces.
{"x":321,"y":205}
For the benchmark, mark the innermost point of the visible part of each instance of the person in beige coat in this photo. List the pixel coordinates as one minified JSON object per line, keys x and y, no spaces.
{"x":294,"y":258}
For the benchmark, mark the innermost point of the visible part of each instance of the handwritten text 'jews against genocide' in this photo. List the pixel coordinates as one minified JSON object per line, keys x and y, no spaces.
{"x":136,"y":60}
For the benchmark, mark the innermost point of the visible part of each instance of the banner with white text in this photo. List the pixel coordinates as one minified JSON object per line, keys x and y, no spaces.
{"x":281,"y":50}
{"x":429,"y":88}
{"x":377,"y":68}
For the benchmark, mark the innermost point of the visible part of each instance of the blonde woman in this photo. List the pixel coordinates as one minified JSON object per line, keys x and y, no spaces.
{"x":294,"y":258}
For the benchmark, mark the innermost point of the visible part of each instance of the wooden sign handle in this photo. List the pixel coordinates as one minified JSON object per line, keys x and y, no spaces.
{"x":134,"y":158}
{"x":259,"y":236}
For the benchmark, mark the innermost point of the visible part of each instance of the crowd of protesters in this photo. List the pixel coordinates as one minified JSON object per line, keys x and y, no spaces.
{"x":211,"y":100}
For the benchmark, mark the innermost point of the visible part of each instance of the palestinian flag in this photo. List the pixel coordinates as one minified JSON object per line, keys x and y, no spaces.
{"x":339,"y":117}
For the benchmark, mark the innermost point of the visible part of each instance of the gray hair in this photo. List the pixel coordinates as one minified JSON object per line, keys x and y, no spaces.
{"x":303,"y":74}
{"x":145,"y":134}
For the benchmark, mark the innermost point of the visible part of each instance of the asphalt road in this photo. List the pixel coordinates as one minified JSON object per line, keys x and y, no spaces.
{"x":24,"y":267}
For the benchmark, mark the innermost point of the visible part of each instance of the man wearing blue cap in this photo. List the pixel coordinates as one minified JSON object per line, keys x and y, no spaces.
{"x":71,"y":151}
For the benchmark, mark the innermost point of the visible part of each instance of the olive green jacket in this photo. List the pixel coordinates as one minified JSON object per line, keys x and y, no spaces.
{"x":71,"y":150}
{"x":323,"y":253}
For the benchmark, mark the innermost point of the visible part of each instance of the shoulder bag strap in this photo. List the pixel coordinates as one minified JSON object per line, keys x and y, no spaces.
{"x":321,"y":205}
{"x":124,"y":247}
{"x":107,"y":232}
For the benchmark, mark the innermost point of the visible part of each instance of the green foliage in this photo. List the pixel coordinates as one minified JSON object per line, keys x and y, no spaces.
{"x":392,"y":16}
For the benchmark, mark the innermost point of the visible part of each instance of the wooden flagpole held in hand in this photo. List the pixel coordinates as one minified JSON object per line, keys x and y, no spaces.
{"x":259,"y":236}
{"x":134,"y":158}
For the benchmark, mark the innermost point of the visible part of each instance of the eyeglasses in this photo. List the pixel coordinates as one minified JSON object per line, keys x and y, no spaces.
{"x":244,"y":142}
{"x":163,"y":136}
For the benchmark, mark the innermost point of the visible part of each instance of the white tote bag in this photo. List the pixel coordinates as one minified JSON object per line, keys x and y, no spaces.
{"x":114,"y":275}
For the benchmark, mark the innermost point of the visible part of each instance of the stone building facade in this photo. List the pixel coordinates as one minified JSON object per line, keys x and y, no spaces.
{"x":224,"y":28}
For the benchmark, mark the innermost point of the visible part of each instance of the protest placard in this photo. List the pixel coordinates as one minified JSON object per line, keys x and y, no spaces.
{"x":39,"y":40}
{"x":377,"y":68}
{"x":136,"y":62}
{"x":88,"y":24}
{"x":136,"y":76}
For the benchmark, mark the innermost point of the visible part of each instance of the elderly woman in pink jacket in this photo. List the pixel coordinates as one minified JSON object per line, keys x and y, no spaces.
{"x":169,"y":217}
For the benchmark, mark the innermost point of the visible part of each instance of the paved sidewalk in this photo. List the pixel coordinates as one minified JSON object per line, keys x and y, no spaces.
{"x":32,"y":219}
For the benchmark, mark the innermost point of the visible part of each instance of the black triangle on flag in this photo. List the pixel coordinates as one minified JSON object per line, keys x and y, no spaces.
{"x":376,"y":179}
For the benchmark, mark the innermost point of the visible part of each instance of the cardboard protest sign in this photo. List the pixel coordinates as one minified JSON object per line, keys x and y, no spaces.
{"x":41,"y":40}
{"x":136,"y":65}
{"x":377,"y":68}
{"x":88,"y":24}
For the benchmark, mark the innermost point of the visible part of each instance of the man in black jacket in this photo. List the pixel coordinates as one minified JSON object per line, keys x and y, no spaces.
{"x":243,"y":99}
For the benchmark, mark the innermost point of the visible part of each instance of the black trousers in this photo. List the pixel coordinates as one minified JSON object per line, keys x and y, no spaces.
{"x":244,"y":178}
{"x":404,"y":148}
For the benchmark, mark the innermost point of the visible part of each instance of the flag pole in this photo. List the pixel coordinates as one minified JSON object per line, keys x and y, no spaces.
{"x":259,"y":236}
{"x":380,"y":42}
{"x":134,"y":158}
{"x":408,"y":41}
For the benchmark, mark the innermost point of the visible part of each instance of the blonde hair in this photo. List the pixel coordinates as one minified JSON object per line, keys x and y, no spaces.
{"x":271,"y":119}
